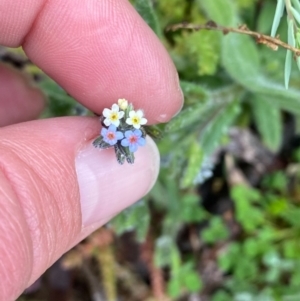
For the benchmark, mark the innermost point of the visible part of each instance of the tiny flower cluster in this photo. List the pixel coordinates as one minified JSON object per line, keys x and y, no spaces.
{"x":122,"y":129}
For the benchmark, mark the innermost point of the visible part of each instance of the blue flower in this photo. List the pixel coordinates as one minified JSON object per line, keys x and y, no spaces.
{"x":111,"y":135}
{"x":133,"y":139}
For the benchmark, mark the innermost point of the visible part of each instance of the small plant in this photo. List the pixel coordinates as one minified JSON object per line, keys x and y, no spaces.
{"x":122,"y":129}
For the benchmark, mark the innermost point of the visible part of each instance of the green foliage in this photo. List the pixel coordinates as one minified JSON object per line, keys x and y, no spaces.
{"x":216,"y":231}
{"x":205,"y":42}
{"x":59,"y":102}
{"x":217,"y":126}
{"x":195,"y":158}
{"x":147,"y":12}
{"x":221,"y":11}
{"x":136,"y":218}
{"x":269,"y":128}
{"x":227,"y":80}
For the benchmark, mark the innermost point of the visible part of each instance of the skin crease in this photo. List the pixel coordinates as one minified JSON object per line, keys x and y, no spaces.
{"x":98,"y":51}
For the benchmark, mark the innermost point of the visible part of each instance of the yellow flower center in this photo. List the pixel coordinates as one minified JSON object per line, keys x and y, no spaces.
{"x":114,"y":116}
{"x":135,"y":120}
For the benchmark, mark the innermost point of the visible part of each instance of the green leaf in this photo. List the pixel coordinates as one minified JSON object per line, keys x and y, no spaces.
{"x":292,"y":217}
{"x":136,"y":217}
{"x":166,"y":253}
{"x":147,"y":12}
{"x":278,"y":14}
{"x":218,"y":126}
{"x":296,"y":4}
{"x":296,"y":14}
{"x":204,"y":47}
{"x":188,"y":116}
{"x":240,"y":58}
{"x":269,"y":125}
{"x":287,"y":68}
{"x":248,"y":215}
{"x":192,"y":281}
{"x":221,"y":296}
{"x":194,"y":89}
{"x":195,"y":157}
{"x":174,"y":287}
{"x":222,"y":12}
{"x":216,"y":231}
{"x":191,"y":210}
{"x":59,"y":102}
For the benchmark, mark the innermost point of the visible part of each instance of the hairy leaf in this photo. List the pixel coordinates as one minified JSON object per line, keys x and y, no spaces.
{"x":195,"y":157}
{"x":268,"y":121}
{"x":221,"y":11}
{"x":146,"y":10}
{"x":219,"y":124}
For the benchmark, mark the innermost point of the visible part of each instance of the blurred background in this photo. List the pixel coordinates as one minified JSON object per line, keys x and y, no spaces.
{"x":223,"y":220}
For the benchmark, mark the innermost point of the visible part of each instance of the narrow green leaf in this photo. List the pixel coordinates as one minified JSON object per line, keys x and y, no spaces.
{"x":288,"y":103}
{"x":212,"y":133}
{"x":291,"y":34}
{"x":195,"y":158}
{"x":221,"y":11}
{"x":278,"y":14}
{"x":187,"y":117}
{"x":296,"y":14}
{"x":269,"y":125}
{"x":146,"y":10}
{"x":296,"y":4}
{"x":288,"y":59}
{"x":287,"y":68}
{"x":195,"y":89}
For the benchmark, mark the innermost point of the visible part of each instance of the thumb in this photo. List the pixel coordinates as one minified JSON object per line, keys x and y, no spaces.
{"x":55,"y":189}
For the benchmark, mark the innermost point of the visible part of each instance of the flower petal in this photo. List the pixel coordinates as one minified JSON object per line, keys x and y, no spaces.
{"x":133,"y":148}
{"x":119,"y":135}
{"x":141,"y":141}
{"x":129,"y":121}
{"x":121,"y":114}
{"x":106,"y":112}
{"x":116,"y":123}
{"x":138,"y":133}
{"x":136,"y":126}
{"x":131,"y":114}
{"x":143,"y":121}
{"x":107,"y":122}
{"x":139,"y":113}
{"x":115,"y":108}
{"x":124,"y":142}
{"x":103,"y":131}
{"x":112,"y":128}
{"x":128,"y":134}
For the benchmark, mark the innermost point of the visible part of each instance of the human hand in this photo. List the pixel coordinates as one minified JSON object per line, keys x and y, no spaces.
{"x":55,"y":187}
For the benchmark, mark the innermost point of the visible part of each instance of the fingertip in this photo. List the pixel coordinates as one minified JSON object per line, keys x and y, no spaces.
{"x":20,"y":99}
{"x":106,"y":187}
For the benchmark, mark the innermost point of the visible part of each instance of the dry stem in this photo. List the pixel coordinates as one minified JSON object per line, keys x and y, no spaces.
{"x":269,"y":41}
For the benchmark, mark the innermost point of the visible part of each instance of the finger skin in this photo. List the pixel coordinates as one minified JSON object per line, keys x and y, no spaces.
{"x":98,"y":51}
{"x":20,"y":100}
{"x":40,"y":211}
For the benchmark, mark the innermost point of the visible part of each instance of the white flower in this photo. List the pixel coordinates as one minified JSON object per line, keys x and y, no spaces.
{"x":136,"y":119}
{"x":123,"y":103}
{"x":112,"y":116}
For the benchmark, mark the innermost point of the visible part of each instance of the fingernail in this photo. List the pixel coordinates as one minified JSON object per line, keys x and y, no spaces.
{"x":106,"y":187}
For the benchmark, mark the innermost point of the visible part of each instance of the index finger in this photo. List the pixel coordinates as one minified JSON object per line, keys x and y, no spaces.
{"x":98,"y":51}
